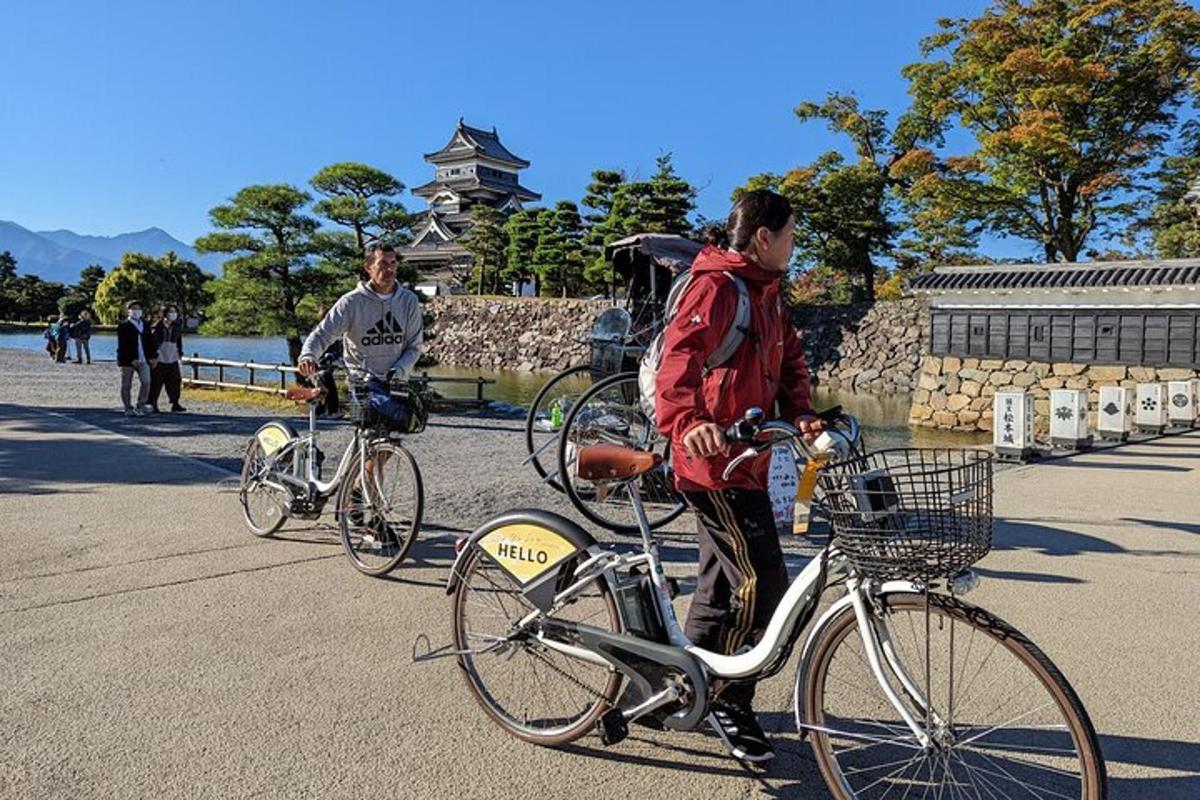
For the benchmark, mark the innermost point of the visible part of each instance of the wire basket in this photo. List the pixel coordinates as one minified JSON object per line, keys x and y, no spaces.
{"x":361,"y":413}
{"x":911,"y":514}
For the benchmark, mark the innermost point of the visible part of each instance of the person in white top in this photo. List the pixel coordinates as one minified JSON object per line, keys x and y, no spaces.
{"x":136,"y":352}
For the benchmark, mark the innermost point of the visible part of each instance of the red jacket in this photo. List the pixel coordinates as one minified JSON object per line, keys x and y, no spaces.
{"x":769,"y":367}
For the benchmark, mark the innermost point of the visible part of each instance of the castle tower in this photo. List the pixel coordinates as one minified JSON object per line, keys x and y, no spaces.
{"x":472,"y":168}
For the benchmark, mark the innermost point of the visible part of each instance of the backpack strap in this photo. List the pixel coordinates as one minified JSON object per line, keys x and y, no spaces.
{"x":737,"y":332}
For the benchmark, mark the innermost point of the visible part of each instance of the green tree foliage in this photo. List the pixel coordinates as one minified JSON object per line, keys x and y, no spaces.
{"x":154,"y":282}
{"x":363,"y":199}
{"x":846,"y":211}
{"x":666,"y":200}
{"x":26,"y":298}
{"x":1174,"y":221}
{"x":558,"y":258}
{"x":523,"y":230}
{"x":272,"y":265}
{"x":487,"y":243}
{"x":1069,"y":102}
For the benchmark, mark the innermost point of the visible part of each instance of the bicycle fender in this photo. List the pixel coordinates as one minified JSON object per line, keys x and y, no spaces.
{"x":527,"y":543}
{"x":818,"y":630}
{"x":275,"y":434}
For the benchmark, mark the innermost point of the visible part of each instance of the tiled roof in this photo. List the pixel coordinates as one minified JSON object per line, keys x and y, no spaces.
{"x":1121,"y":274}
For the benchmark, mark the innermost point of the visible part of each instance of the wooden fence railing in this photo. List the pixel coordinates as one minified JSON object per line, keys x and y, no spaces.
{"x":220,"y":373}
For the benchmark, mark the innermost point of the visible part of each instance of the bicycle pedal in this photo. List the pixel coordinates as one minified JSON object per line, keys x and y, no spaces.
{"x":612,"y":727}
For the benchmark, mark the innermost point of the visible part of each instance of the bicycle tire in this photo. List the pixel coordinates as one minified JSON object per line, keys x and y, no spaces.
{"x":404,"y":531}
{"x":603,"y":513}
{"x":532,"y":418}
{"x":261,"y":528}
{"x":813,"y":677}
{"x":582,"y":723}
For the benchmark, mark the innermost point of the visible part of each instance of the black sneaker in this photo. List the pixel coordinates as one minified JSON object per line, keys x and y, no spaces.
{"x":740,"y":732}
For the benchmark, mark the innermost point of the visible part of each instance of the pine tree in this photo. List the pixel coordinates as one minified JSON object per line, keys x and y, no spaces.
{"x":666,"y":200}
{"x":487,"y":242}
{"x":523,"y":229}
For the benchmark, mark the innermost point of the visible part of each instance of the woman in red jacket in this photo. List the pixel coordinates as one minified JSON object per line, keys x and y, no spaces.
{"x":742,"y":576}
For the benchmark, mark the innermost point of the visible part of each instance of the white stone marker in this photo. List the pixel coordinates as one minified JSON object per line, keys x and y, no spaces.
{"x":1012,"y":424}
{"x":1068,"y":419}
{"x":1181,"y":409}
{"x":1150,"y":412}
{"x":1114,"y":423}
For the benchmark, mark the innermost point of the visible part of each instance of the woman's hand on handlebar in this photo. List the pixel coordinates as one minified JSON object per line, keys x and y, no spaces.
{"x":705,"y":440}
{"x":810,"y":426}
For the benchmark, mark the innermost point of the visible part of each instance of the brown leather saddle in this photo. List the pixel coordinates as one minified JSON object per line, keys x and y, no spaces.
{"x":610,"y":462}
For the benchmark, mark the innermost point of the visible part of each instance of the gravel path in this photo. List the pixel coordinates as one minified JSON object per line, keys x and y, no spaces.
{"x":471,"y":463}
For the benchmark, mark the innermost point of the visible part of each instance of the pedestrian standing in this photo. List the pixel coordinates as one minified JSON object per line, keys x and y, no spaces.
{"x":82,"y":333}
{"x":168,"y":336}
{"x":51,"y":337}
{"x":62,"y":339}
{"x":136,"y":353}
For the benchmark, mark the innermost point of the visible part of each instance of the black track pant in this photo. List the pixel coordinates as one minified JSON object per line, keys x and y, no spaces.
{"x":742,"y":576}
{"x":165,"y":376}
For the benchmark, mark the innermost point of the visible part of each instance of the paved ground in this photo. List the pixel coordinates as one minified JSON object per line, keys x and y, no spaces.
{"x":152,"y":647}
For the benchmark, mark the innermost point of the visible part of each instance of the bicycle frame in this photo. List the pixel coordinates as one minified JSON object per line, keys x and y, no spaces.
{"x":308,"y":441}
{"x":781,"y":632}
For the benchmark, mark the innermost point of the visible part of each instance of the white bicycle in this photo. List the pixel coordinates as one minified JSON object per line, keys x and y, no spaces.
{"x":903,"y":689}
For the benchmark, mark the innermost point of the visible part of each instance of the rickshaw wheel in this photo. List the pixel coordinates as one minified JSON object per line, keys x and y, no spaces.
{"x":610,"y":412}
{"x":563,"y":389}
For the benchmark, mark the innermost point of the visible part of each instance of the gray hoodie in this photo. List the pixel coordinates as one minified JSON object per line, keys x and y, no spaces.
{"x":381,"y":332}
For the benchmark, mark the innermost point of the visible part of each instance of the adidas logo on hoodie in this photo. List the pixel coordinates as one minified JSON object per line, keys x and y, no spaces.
{"x":386,"y":331}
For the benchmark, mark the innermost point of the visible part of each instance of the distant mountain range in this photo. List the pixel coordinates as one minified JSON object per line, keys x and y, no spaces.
{"x":60,"y":255}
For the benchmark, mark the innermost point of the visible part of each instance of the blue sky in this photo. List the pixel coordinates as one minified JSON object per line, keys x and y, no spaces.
{"x":118,"y":116}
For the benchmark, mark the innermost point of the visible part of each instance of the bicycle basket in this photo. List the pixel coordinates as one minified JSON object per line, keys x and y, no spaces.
{"x":911,"y":514}
{"x":364,"y":416}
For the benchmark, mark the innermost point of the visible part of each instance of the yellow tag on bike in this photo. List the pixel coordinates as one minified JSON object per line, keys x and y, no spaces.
{"x":807,"y":486}
{"x":526,"y":551}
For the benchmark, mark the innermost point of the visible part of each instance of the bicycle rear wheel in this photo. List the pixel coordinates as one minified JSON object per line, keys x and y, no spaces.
{"x":544,"y":422}
{"x":535,"y":693}
{"x":610,"y":413}
{"x":264,"y":508}
{"x":1004,"y":719}
{"x":380,"y":508}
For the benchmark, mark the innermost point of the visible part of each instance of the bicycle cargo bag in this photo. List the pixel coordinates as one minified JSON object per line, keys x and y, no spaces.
{"x":732,"y":340}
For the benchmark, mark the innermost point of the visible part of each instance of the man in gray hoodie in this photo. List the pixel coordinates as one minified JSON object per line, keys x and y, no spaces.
{"x":380,"y":325}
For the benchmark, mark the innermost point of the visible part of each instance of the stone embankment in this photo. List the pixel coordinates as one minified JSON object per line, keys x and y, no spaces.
{"x":511,"y":332}
{"x":860,"y":348}
{"x":956,"y":393}
{"x":873,"y":348}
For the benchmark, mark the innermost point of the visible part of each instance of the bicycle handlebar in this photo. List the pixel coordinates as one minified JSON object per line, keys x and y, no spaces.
{"x":750,"y":429}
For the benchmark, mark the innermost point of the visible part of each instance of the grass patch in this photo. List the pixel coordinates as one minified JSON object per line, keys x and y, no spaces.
{"x":273,"y":402}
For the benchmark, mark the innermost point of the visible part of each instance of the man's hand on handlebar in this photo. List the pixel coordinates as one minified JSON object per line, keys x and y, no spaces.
{"x":308,"y":367}
{"x":705,"y":440}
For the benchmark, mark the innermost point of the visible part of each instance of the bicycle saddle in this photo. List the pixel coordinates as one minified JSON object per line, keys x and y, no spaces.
{"x":606,"y":462}
{"x":303,"y":394}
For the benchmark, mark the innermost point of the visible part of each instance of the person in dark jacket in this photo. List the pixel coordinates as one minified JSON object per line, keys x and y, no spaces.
{"x":137,"y":352}
{"x":742,"y":576}
{"x":81,"y":332}
{"x":62,"y":336}
{"x":168,"y":336}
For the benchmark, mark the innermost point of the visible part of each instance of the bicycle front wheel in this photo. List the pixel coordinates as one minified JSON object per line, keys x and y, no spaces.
{"x":1003,"y":719}
{"x":610,"y":413}
{"x":264,"y":508}
{"x":380,"y":504}
{"x":537,"y":694}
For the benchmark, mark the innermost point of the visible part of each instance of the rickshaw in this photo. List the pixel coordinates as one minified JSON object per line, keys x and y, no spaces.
{"x":598,"y":401}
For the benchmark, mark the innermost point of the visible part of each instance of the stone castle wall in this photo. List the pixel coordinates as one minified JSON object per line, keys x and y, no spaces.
{"x":522,"y":333}
{"x":956,"y":393}
{"x":863,"y":348}
{"x":875,"y":348}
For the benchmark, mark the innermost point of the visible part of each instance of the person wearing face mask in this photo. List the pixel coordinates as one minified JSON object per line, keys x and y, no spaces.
{"x":168,"y":336}
{"x":742,"y":576}
{"x":137,"y":352}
